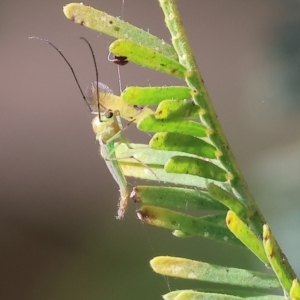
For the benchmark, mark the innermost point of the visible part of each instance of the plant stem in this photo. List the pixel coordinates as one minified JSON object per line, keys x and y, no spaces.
{"x":207,"y":112}
{"x":209,"y":118}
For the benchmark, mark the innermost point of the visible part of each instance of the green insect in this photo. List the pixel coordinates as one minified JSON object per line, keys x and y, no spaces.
{"x":107,"y":126}
{"x":108,"y":129}
{"x":107,"y":133}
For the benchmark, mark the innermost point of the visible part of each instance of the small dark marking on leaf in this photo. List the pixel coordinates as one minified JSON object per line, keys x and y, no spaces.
{"x":120,"y":60}
{"x":134,"y":196}
{"x":145,"y":216}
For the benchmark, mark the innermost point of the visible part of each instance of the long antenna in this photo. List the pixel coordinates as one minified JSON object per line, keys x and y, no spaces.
{"x":97,"y":75}
{"x":73,"y":72}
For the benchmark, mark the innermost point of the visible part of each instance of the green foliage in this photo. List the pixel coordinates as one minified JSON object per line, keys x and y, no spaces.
{"x":189,"y":151}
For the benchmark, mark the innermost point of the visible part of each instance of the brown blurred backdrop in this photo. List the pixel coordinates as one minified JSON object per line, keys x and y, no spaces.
{"x":58,"y":235}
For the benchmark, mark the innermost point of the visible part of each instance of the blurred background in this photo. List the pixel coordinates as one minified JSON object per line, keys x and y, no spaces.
{"x":59,"y":238}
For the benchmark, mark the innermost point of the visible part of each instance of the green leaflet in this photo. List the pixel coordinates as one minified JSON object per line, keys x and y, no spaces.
{"x":154,"y":95}
{"x":193,"y":295}
{"x":142,"y":153}
{"x":150,"y":124}
{"x":216,"y":220}
{"x":140,"y":172}
{"x":178,"y":105}
{"x":174,"y":109}
{"x":115,"y":27}
{"x":180,"y":198}
{"x":219,"y":295}
{"x":295,"y":290}
{"x":246,"y":236}
{"x":196,"y":167}
{"x":132,"y":168}
{"x":228,"y":200}
{"x":173,"y":141}
{"x":153,"y":162}
{"x":147,"y":57}
{"x":186,"y":224}
{"x":196,"y":270}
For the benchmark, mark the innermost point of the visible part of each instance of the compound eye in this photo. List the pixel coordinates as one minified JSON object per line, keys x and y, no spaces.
{"x":109,"y":114}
